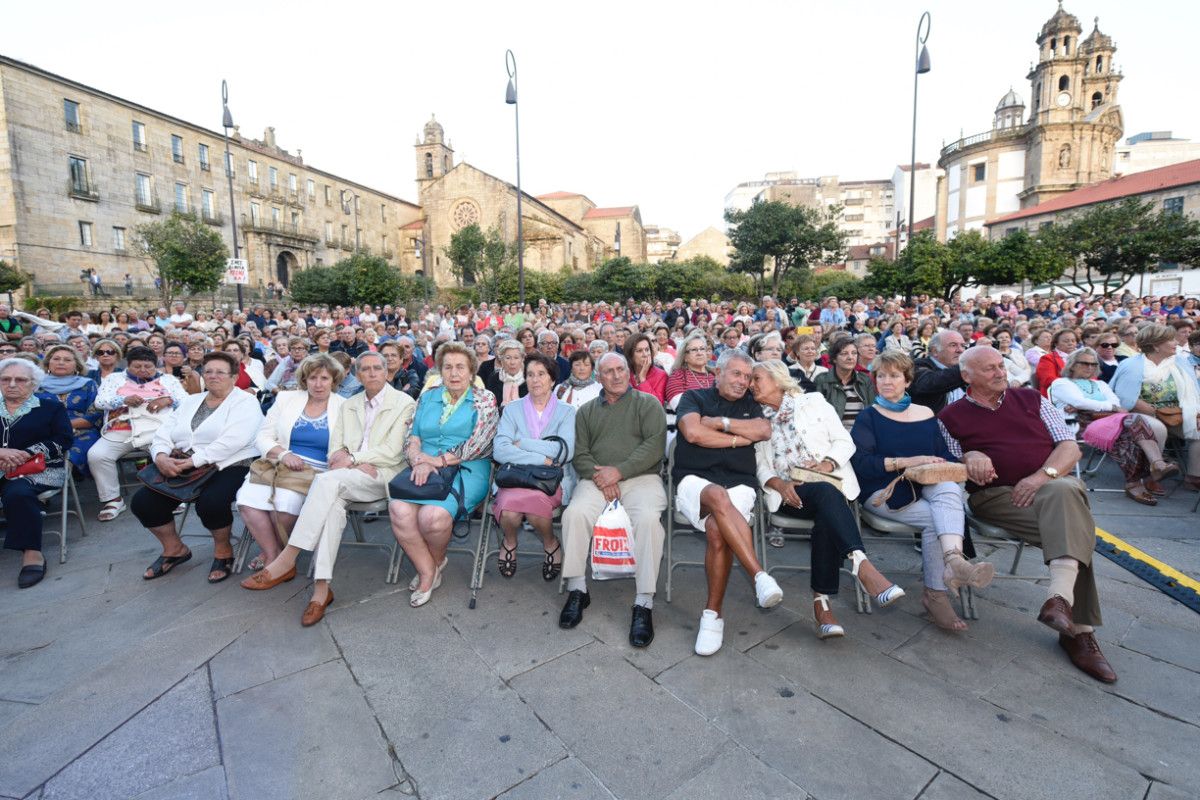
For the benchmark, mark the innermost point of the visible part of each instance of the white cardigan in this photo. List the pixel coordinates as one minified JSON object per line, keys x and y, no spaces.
{"x":276,"y":429}
{"x":225,"y":438}
{"x":823,"y":434}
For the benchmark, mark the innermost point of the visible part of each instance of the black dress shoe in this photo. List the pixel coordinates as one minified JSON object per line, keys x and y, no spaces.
{"x":31,"y":575}
{"x":572,"y":612}
{"x":641,"y":630}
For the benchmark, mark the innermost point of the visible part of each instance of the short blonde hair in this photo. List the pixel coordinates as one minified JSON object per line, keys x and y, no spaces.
{"x":779,"y":373}
{"x":509,"y":344}
{"x":317,"y":361}
{"x":896,"y":360}
{"x":80,"y":366}
{"x":1152,"y":335}
{"x":449,"y":348}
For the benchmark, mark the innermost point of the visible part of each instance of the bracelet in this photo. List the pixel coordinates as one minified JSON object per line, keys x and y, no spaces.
{"x":733,"y":444}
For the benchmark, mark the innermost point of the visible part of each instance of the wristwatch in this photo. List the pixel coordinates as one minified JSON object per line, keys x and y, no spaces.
{"x":1051,"y":472}
{"x":725,"y":422}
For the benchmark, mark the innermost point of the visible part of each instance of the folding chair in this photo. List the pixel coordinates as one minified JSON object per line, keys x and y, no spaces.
{"x":483,"y":551}
{"x":1088,"y":468}
{"x":996,"y":536}
{"x":130,"y":459}
{"x":355,"y":512}
{"x":798,"y":529}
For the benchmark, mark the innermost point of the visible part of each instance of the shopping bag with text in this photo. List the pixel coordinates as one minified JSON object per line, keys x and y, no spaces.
{"x":612,"y":544}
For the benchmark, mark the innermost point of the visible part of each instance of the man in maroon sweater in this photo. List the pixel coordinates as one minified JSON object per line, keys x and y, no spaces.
{"x":1019,"y":454}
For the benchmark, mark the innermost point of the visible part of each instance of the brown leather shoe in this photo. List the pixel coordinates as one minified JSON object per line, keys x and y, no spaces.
{"x":1084,"y":652}
{"x":314,"y":612}
{"x":1154,"y":487}
{"x":261,"y":580}
{"x":1056,"y":614}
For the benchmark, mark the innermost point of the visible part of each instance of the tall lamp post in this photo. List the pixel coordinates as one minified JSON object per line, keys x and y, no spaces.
{"x":346,"y":210}
{"x":921,"y":67}
{"x":227,"y":123}
{"x":510,"y":97}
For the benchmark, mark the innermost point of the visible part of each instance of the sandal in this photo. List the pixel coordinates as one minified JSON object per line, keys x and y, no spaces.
{"x":224,"y":565}
{"x":1139,"y":494}
{"x":551,"y":569}
{"x":507,"y":561}
{"x":940,"y":610}
{"x":775,"y":537}
{"x":164,"y":564}
{"x":257,"y":563}
{"x":111,"y":510}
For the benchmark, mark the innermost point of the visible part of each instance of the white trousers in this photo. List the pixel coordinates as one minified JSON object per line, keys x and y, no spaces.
{"x":322,"y":520}
{"x":102,"y":461}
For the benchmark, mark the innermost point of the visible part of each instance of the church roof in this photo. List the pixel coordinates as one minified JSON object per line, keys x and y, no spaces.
{"x":1097,"y":40}
{"x":1152,"y":180}
{"x":559,"y":195}
{"x":1009,"y":100}
{"x":617,"y":211}
{"x":1061,"y":21}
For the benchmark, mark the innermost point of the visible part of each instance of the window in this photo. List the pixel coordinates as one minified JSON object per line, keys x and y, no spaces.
{"x":274,"y":217}
{"x":79,"y":175}
{"x":71,"y":116}
{"x":328,"y":231}
{"x":1010,"y":231}
{"x":1064,"y":83}
{"x":208,"y":204}
{"x":1066,"y":45}
{"x":181,"y":200}
{"x":273,"y":177}
{"x":429,"y":165}
{"x":383,"y":243}
{"x":311,"y":188}
{"x":1097,"y":99}
{"x":293,"y":186}
{"x":979,"y":173}
{"x":1099,"y":64}
{"x":203,"y":157}
{"x":295,"y":220}
{"x":85,"y":233}
{"x":143,"y":188}
{"x":328,"y":195}
{"x":229,"y":164}
{"x":177,"y":148}
{"x":252,"y":171}
{"x":255,"y":213}
{"x":119,"y":239}
{"x":345,"y":233}
{"x":383,"y":211}
{"x":139,"y":137}
{"x":1173,"y":205}
{"x":445,"y":163}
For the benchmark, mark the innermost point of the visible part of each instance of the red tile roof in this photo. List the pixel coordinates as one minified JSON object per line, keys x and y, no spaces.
{"x":558,"y":195}
{"x":918,"y":226}
{"x":602,"y":213}
{"x":415,"y":225}
{"x":1152,"y":180}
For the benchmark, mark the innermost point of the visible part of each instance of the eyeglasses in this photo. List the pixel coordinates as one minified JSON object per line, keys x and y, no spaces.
{"x":106,"y":352}
{"x":1086,"y":364}
{"x":696,"y":350}
{"x":1106,"y":344}
{"x":17,"y":381}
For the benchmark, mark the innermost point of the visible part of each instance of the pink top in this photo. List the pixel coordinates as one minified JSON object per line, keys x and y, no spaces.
{"x":655,"y":383}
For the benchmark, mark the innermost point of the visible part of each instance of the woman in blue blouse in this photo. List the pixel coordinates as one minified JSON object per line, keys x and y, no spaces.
{"x":890,"y":436}
{"x":453,"y":425}
{"x":68,"y":383}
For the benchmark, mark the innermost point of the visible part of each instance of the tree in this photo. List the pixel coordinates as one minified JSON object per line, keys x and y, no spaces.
{"x":481,"y":259}
{"x":358,"y":279}
{"x":188,"y":255}
{"x":11,"y":278}
{"x":783,"y":238}
{"x":466,"y":253}
{"x":1020,"y":258}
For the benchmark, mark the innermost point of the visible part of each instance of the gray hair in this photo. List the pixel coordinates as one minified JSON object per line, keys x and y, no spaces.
{"x":509,"y":344}
{"x":36,"y":373}
{"x":408,"y":339}
{"x":600,"y":364}
{"x":734,"y":354}
{"x":369,"y":354}
{"x":547,"y":335}
{"x":680,"y":352}
{"x":1071,"y":359}
{"x":938,"y":339}
{"x":598,"y":344}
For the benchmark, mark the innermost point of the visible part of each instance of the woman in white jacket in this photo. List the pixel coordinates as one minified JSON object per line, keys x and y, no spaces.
{"x":295,"y":435}
{"x":807,"y":433}
{"x":218,"y":427}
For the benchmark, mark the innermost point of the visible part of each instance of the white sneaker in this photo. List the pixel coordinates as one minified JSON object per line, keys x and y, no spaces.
{"x":768,"y":591}
{"x":712,"y":632}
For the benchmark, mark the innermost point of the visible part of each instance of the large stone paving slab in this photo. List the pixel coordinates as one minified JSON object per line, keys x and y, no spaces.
{"x":207,"y":784}
{"x":633,"y":735}
{"x":174,"y":735}
{"x":793,"y":732}
{"x":1165,"y":642}
{"x":567,"y":779}
{"x":737,"y":773}
{"x":307,"y":735}
{"x":947,"y":787}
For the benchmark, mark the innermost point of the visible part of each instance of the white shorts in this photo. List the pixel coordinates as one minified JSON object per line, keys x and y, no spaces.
{"x":257,"y":495}
{"x":687,"y":500}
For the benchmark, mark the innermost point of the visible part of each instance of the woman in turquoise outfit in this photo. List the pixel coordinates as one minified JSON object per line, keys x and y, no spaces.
{"x":454,"y":424}
{"x":67,"y":382}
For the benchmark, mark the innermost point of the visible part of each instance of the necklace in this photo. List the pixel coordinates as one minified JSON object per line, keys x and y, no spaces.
{"x":1087,"y":386}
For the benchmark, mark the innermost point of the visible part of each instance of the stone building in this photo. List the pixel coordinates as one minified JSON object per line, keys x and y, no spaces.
{"x":661,"y":243}
{"x":1066,"y":142}
{"x":867,"y":206}
{"x":709,"y":242}
{"x":1151,"y":150}
{"x":80,"y":169}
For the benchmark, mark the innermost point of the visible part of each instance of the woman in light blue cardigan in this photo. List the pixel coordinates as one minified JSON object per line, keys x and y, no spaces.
{"x":522,"y":439}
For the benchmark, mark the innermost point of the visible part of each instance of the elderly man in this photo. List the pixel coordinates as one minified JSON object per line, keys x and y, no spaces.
{"x":347,"y":342}
{"x":547,"y":343}
{"x":1019,"y":453}
{"x":619,"y":441}
{"x":10,"y":329}
{"x":715,"y":478}
{"x":365,"y":452}
{"x":182,"y":319}
{"x":770,"y":312}
{"x":937,"y":381}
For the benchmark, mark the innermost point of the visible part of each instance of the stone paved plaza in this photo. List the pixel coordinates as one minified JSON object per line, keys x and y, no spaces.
{"x":115,"y":687}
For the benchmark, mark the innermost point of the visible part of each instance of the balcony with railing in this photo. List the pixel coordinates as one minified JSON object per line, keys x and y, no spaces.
{"x":147,"y":203}
{"x":140,"y":147}
{"x":83,"y":190}
{"x":213,"y":218}
{"x":992,"y":135}
{"x":295,"y":230}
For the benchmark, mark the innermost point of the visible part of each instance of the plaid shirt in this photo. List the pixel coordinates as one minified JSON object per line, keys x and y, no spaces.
{"x":1052,"y":418}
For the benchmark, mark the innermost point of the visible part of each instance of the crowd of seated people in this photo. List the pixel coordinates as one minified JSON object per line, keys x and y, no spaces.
{"x":807,"y":408}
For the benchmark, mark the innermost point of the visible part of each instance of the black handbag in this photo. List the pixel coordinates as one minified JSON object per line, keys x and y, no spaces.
{"x":183,"y":488}
{"x":542,"y":477}
{"x":440,"y":484}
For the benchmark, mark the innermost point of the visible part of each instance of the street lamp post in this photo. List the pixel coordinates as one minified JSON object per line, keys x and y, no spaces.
{"x":921,"y":67}
{"x":345,"y":210}
{"x":510,"y":97}
{"x":227,"y":123}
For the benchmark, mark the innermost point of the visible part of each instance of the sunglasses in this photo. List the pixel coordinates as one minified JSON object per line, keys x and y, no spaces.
{"x":106,"y":352}
{"x":1107,"y":344}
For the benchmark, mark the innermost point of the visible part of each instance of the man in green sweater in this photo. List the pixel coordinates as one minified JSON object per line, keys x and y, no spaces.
{"x":619,"y":442}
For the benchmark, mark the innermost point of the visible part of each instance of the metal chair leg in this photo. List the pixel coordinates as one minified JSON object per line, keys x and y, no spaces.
{"x":1017,"y":558}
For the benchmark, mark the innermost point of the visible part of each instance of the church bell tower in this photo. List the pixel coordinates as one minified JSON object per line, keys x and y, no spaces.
{"x":434,"y":156}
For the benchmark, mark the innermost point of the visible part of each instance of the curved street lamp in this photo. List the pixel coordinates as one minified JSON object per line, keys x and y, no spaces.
{"x":922,"y":66}
{"x":510,"y":97}
{"x":227,"y":123}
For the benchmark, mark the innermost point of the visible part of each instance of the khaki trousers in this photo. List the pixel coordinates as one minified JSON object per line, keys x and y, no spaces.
{"x":322,"y":520}
{"x":1060,"y":522}
{"x":644,"y":499}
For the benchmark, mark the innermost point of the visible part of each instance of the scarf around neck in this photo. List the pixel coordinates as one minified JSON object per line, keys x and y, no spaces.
{"x":533,"y":423}
{"x":63,"y":384}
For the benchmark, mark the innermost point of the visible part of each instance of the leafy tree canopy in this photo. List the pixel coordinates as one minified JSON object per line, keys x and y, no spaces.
{"x":782,"y":240}
{"x":188,"y":255}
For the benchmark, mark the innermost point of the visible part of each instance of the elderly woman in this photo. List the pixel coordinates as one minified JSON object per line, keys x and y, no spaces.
{"x":767,"y":347}
{"x":521,"y":438}
{"x":690,"y":370}
{"x":803,"y":366}
{"x":140,"y":386}
{"x":483,"y":352}
{"x":29,"y":427}
{"x":454,"y":425}
{"x":644,"y":375}
{"x":66,"y":382}
{"x":1160,"y":384}
{"x":807,"y":433}
{"x":507,"y":382}
{"x":580,"y":385}
{"x":1014,"y":358}
{"x":285,"y":376}
{"x":896,"y":338}
{"x":847,"y":389}
{"x":216,"y":427}
{"x":107,"y":355}
{"x":891,"y":436}
{"x":1084,"y":398}
{"x":1050,"y":366}
{"x":295,"y":435}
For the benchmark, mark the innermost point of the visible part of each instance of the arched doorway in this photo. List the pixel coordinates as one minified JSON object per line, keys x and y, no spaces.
{"x":285,"y":262}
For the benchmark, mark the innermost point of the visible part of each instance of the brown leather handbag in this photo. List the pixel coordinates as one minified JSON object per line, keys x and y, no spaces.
{"x":1171,"y":416}
{"x":925,"y":475}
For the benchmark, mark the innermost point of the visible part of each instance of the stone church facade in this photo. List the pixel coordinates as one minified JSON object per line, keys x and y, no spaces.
{"x":1067,"y":141}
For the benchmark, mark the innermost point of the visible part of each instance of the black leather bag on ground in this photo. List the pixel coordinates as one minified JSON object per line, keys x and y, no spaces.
{"x":183,"y":488}
{"x":542,"y":477}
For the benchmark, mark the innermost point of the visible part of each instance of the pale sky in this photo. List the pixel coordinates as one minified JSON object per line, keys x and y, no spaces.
{"x":666,"y":105}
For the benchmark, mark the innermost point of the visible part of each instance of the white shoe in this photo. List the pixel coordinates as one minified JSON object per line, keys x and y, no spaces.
{"x":768,"y":591}
{"x":712,"y":632}
{"x":437,"y":578}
